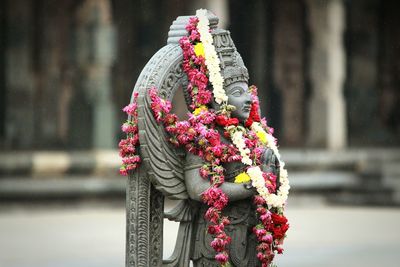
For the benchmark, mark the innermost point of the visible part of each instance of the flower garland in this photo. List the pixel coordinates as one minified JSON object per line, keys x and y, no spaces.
{"x":199,"y":136}
{"x":128,"y":146}
{"x":212,"y":59}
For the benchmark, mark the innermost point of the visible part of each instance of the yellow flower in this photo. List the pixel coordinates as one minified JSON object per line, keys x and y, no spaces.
{"x":199,"y":49}
{"x":198,"y":110}
{"x":242,"y":178}
{"x":262,"y":135}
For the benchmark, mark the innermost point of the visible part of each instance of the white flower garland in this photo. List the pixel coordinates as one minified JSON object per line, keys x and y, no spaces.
{"x":256,"y":175}
{"x":275,"y":200}
{"x":211,"y":57}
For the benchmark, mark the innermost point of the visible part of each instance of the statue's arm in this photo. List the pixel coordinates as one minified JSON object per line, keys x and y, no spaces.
{"x":196,"y":185}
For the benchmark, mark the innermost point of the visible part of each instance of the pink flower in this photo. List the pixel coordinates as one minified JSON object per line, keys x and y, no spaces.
{"x":212,"y":215}
{"x":218,"y":244}
{"x":123,"y":171}
{"x":218,"y":169}
{"x":266,"y":218}
{"x":217,"y":150}
{"x":170,"y":119}
{"x":264,"y":246}
{"x":129,"y":128}
{"x":261,"y":210}
{"x":221,"y":258}
{"x":204,"y":97}
{"x":259,"y":232}
{"x":261,"y":256}
{"x":225,"y":221}
{"x":217,"y":180}
{"x":267,"y":238}
{"x":204,"y":171}
{"x":221,"y":202}
{"x":130,"y":109}
{"x":258,"y":200}
{"x":211,"y":194}
{"x":215,"y":229}
{"x":131,"y":159}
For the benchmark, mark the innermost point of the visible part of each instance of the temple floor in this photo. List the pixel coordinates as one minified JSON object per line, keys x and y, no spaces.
{"x":93,"y":235}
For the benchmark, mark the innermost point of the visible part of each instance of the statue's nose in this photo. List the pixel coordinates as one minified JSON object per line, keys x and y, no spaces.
{"x":248,"y":98}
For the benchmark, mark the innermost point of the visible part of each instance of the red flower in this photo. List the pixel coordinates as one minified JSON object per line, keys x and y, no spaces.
{"x":279,"y":232}
{"x":223,"y":120}
{"x":254,"y":115}
{"x":278,"y":219}
{"x":279,"y":249}
{"x":214,"y":140}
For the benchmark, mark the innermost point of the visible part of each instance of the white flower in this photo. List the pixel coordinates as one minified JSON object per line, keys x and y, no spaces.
{"x":211,"y":58}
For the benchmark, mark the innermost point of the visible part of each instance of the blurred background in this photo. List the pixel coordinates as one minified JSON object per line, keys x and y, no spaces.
{"x":328,"y":77}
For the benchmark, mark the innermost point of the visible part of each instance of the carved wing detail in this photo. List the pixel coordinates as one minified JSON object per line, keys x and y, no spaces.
{"x":164,"y":164}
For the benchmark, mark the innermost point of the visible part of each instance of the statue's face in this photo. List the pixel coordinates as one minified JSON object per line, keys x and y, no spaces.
{"x":239,"y":96}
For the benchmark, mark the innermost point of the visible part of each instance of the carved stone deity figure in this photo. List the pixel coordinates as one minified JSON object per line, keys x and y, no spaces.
{"x":171,"y":172}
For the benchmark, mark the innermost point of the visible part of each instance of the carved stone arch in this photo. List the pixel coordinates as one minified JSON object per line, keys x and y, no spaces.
{"x":145,"y":192}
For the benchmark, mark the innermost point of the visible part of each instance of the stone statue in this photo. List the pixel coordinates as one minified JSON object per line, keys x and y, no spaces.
{"x":170,"y":171}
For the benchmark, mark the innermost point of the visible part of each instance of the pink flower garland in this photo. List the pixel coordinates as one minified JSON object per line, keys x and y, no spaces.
{"x":128,"y":146}
{"x":195,"y":67}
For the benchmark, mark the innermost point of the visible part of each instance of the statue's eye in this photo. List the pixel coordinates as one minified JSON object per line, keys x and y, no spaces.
{"x":238,"y":91}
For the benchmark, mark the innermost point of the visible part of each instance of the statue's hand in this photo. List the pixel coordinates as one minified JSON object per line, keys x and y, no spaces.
{"x":269,"y":161}
{"x":249,"y":186}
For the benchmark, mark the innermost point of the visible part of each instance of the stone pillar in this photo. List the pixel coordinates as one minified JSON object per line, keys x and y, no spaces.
{"x":327,"y":115}
{"x":260,"y":45}
{"x":19,"y":118}
{"x":52,"y":72}
{"x":3,"y":103}
{"x":94,"y":51}
{"x":289,"y":69}
{"x":362,"y":90}
{"x":389,"y":70}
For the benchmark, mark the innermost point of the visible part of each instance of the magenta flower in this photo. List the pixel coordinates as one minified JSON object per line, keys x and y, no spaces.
{"x":221,"y":258}
{"x":266,"y":238}
{"x":130,"y":109}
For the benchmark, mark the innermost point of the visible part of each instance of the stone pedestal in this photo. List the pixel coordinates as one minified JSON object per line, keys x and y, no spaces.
{"x":327,"y":125}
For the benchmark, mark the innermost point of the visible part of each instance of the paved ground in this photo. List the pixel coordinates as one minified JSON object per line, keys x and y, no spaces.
{"x":93,"y":236}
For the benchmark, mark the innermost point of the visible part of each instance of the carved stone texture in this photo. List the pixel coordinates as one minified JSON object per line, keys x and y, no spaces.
{"x":161,"y":173}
